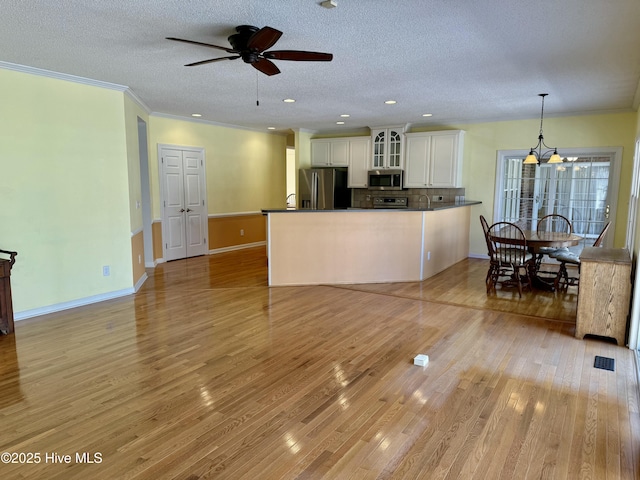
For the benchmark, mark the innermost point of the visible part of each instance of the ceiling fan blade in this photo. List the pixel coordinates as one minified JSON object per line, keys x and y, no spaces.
{"x":226,"y":49}
{"x":202,"y":62}
{"x":266,"y":66}
{"x":263,"y":39}
{"x":298,"y":55}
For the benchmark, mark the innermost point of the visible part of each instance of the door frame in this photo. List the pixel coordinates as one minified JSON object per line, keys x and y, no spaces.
{"x":145,"y":194}
{"x":614,"y":177}
{"x":187,"y":148}
{"x":632,"y":226}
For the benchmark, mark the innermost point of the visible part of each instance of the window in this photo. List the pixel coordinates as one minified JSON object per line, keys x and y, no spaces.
{"x":577,"y":189}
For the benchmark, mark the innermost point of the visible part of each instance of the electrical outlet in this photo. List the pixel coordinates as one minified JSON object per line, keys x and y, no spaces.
{"x":437,"y":198}
{"x":139,"y":258}
{"x":242,"y":232}
{"x":428,"y":255}
{"x":106,"y":271}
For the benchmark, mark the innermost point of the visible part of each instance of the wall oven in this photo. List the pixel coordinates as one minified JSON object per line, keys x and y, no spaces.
{"x":385,"y":179}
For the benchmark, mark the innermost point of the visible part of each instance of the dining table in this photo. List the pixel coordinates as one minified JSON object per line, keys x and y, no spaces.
{"x":535,"y":242}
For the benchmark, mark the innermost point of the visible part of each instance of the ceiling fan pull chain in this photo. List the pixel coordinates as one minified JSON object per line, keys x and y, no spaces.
{"x":257,"y":96}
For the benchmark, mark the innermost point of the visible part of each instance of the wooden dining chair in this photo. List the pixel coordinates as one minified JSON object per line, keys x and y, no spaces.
{"x":551,"y":223}
{"x":511,"y":260}
{"x":563,"y":280}
{"x":492,"y":263}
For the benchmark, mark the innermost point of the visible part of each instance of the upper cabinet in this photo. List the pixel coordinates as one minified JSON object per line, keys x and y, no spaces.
{"x":359,"y":162}
{"x":330,"y":152}
{"x":352,"y":152}
{"x":387,"y":147}
{"x":434,"y":159}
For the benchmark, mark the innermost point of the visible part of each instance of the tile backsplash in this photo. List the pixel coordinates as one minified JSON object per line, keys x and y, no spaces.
{"x":363,"y":198}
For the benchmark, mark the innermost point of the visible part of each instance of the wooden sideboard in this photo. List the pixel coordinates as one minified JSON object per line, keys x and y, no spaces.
{"x":6,"y":304}
{"x":604,"y":293}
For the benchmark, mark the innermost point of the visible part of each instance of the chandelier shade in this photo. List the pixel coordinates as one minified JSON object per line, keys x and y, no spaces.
{"x":536,"y":155}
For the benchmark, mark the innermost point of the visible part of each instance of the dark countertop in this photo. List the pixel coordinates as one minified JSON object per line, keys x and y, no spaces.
{"x":434,"y":207}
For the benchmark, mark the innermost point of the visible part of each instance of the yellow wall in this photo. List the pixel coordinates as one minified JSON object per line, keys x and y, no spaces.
{"x":303,"y":149}
{"x":64,"y":189}
{"x":484,"y":140}
{"x":70,"y":178}
{"x":246,"y":170}
{"x":132,"y":111}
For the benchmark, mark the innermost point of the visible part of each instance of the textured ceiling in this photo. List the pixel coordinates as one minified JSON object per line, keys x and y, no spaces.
{"x":461,"y":60}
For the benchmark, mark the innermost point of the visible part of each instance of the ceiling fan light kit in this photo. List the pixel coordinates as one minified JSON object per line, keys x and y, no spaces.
{"x":329,"y":4}
{"x":535,"y":153}
{"x":250,"y":43}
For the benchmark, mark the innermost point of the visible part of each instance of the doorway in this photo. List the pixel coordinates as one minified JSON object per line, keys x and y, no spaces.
{"x":583,"y":188}
{"x":183,"y":200}
{"x":145,"y":194}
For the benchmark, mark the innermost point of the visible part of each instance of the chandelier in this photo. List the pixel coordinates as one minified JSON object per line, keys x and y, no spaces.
{"x":535,"y":154}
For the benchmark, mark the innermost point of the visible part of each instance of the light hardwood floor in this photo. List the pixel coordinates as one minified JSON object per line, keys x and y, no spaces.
{"x":208,"y":373}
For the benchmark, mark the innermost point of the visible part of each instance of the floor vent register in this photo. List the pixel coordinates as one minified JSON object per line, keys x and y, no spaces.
{"x":605,"y":363}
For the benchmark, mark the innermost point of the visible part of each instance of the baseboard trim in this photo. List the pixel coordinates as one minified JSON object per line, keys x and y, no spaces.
{"x":140,"y":282}
{"x":58,"y":307}
{"x":237,"y":247}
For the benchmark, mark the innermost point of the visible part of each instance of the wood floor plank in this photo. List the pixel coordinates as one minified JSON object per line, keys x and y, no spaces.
{"x":207,"y":372}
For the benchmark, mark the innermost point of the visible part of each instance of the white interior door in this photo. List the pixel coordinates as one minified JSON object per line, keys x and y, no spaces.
{"x":184,"y":203}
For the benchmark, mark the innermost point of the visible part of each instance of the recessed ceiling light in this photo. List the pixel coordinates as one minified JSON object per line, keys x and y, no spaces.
{"x":271,"y":128}
{"x":288,"y":100}
{"x":345,"y":115}
{"x":390,"y":102}
{"x":196,"y":115}
{"x":339,"y":123}
{"x":427,"y":114}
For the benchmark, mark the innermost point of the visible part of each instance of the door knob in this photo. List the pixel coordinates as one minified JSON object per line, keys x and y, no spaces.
{"x":189,"y":210}
{"x":181,"y":210}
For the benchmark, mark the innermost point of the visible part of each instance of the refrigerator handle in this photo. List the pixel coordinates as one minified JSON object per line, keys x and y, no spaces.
{"x":314,"y":190}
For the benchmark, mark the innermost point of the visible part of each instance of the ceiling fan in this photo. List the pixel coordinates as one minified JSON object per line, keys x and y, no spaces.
{"x":250,"y":44}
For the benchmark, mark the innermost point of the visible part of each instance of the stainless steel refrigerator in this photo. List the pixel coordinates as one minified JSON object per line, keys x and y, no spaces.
{"x":323,"y":189}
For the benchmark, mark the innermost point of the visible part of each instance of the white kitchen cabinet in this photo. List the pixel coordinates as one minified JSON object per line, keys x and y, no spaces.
{"x":434,"y":159}
{"x":359,"y":162}
{"x":387,"y":145}
{"x":330,"y":152}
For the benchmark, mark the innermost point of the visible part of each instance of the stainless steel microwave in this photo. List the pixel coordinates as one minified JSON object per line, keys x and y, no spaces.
{"x":385,"y":179}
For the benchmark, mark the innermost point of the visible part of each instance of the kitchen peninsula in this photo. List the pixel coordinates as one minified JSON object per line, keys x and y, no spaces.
{"x":311,"y":247}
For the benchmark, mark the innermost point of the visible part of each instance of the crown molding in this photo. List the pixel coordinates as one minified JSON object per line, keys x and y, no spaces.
{"x":62,"y":76}
{"x":136,"y":99}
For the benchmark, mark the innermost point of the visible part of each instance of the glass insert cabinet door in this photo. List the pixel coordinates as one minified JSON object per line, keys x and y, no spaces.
{"x":378,"y":150}
{"x":395,"y":144}
{"x":387,"y":149}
